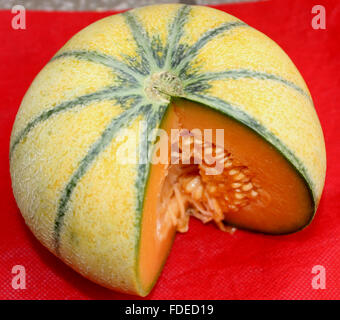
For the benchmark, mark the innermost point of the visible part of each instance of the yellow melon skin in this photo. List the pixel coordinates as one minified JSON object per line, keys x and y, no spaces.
{"x":100,"y":231}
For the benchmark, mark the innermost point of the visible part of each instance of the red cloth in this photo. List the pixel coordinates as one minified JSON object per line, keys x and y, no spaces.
{"x":204,"y":263}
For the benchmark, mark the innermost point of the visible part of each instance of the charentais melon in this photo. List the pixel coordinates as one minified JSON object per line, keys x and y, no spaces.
{"x":171,"y":67}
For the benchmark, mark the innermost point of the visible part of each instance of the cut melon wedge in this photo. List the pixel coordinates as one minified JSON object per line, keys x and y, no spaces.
{"x":258,"y":190}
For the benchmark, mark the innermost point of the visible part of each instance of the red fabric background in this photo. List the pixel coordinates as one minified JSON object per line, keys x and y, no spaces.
{"x":204,"y":263}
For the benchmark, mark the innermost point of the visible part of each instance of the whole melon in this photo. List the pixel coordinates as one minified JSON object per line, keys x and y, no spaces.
{"x":162,"y":67}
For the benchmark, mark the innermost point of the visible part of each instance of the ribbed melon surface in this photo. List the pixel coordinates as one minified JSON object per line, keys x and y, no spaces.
{"x":76,"y":197}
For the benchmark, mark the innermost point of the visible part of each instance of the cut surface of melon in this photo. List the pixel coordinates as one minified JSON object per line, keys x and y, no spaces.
{"x":258,"y":189}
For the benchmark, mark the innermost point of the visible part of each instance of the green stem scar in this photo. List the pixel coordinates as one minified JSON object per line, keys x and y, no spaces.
{"x":162,"y":86}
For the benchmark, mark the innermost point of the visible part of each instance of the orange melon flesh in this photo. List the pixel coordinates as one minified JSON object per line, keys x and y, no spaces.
{"x":283,"y":203}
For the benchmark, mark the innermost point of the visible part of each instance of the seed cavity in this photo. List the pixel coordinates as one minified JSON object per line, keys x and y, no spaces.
{"x":201,"y":190}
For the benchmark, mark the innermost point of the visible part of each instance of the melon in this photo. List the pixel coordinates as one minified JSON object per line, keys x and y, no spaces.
{"x":168,"y":67}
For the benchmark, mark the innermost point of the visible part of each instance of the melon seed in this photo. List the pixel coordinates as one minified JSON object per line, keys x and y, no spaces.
{"x":247,"y":186}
